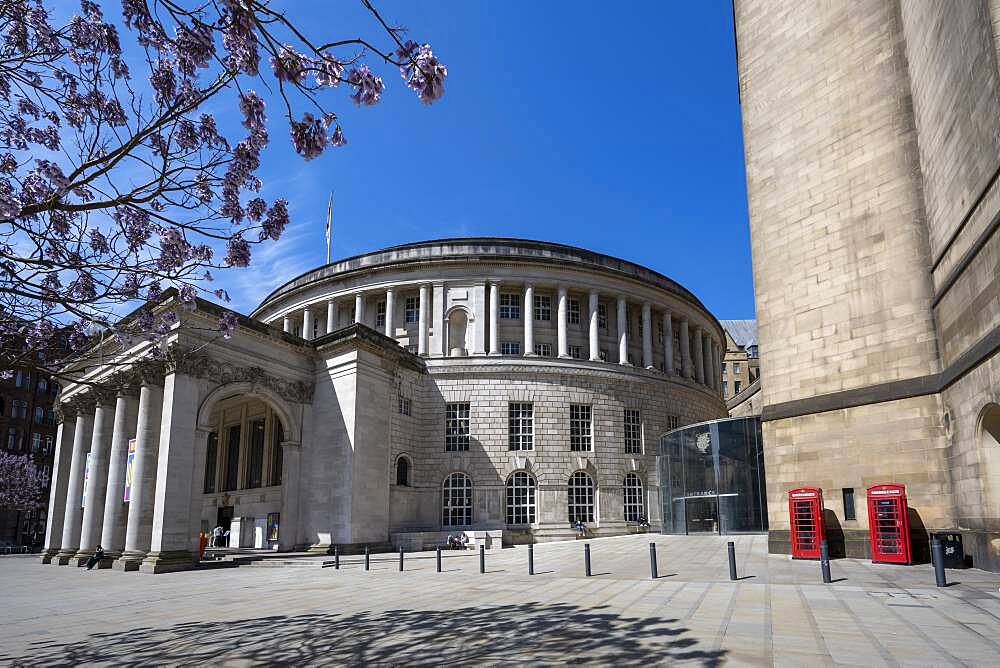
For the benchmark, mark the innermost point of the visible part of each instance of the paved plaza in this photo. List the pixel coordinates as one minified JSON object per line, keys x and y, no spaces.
{"x":779,"y":612}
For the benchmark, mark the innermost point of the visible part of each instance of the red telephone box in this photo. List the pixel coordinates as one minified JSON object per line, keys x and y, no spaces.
{"x":888,"y":524}
{"x":805,"y":509}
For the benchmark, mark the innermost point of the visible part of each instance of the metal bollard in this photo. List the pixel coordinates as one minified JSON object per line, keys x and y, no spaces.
{"x":336,"y":557}
{"x":482,"y":558}
{"x":400,"y":560}
{"x":367,"y":559}
{"x":531,"y":559}
{"x":439,"y":558}
{"x":732,"y":560}
{"x":652,"y":561}
{"x":824,"y":561}
{"x":586,"y":559}
{"x":937,"y":556}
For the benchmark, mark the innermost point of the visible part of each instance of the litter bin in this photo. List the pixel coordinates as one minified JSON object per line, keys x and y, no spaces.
{"x":951,"y":545}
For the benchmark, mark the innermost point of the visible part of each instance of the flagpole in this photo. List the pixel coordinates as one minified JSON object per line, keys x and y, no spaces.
{"x":329,"y":223}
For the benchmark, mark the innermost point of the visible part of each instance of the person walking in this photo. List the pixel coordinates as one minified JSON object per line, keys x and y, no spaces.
{"x":217,"y":536}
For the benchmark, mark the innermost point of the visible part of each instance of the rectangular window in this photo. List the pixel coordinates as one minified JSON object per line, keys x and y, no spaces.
{"x":277,"y":457}
{"x":48,"y":445}
{"x":602,"y":316}
{"x":18,"y":408}
{"x":510,"y":348}
{"x":543,"y":349}
{"x":573,"y":311}
{"x":849,"y":513}
{"x":543,"y":307}
{"x":579,"y":428}
{"x":456,"y":427}
{"x":628,"y":322}
{"x":405,"y":405}
{"x":672,"y":422}
{"x":633,"y":432}
{"x":380,"y":314}
{"x":510,"y":306}
{"x":725,"y":389}
{"x":255,"y":466}
{"x":520,"y":420}
{"x":659,"y":332}
{"x":603,"y":355}
{"x":725,"y":370}
{"x":576,"y":352}
{"x":12,"y":440}
{"x":211,"y":458}
{"x":737,"y":386}
{"x":736,"y":368}
{"x":36,"y":442}
{"x":412,"y":311}
{"x":231,"y":478}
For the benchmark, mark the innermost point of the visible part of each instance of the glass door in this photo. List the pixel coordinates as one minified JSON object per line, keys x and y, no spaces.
{"x":702,"y":515}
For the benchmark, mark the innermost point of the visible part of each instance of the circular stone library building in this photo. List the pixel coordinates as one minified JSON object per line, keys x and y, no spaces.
{"x":498,"y":387}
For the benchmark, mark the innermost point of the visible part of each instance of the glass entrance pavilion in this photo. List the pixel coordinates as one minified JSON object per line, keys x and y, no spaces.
{"x":712,"y":477}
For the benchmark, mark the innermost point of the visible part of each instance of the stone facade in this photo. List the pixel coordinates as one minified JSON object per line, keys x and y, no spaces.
{"x":390,"y":417}
{"x":871,"y":132}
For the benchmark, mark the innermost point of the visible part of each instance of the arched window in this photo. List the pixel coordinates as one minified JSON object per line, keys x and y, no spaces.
{"x":635,"y":509}
{"x":402,"y":471}
{"x":520,"y":498}
{"x":580,"y":501}
{"x":456,"y":500}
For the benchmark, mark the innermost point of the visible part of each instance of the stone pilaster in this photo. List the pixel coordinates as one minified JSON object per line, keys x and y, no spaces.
{"x":291,"y":474}
{"x":170,"y":547}
{"x":686,"y":369}
{"x":390,"y":312}
{"x":494,"y":318}
{"x":422,"y":321}
{"x":699,"y":356}
{"x":359,"y":308}
{"x":479,"y":312}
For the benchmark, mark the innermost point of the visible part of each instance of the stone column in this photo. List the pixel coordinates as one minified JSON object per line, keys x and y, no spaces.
{"x":390,"y":311}
{"x":287,"y":324}
{"x":594,"y":341}
{"x":437,"y":313}
{"x":113,"y":532}
{"x":139,"y":524}
{"x":717,"y":365}
{"x":647,"y":335}
{"x":479,"y":297}
{"x":686,"y":370}
{"x":307,"y":324}
{"x":561,"y":323}
{"x":61,"y":460}
{"x":699,"y":357}
{"x":83,"y":431}
{"x":668,"y":342}
{"x":422,"y":321}
{"x":359,"y":308}
{"x":170,"y":547}
{"x":97,"y":479}
{"x":709,"y":366}
{"x":290,"y":475}
{"x":494,"y":318}
{"x":622,"y":331}
{"x":529,"y":320}
{"x":331,"y":316}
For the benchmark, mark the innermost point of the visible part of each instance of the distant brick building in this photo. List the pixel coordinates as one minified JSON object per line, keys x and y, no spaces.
{"x":27,"y":426}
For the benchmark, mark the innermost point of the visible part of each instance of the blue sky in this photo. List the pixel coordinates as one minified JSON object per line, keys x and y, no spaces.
{"x":608,"y":126}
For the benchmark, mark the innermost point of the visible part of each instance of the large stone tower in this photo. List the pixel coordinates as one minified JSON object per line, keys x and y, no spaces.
{"x":872,"y":133}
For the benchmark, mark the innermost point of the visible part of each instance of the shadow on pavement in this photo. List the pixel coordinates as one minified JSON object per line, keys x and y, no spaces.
{"x":528,"y":632}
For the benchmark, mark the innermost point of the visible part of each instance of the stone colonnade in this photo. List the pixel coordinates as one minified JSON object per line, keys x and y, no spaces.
{"x":701,"y":353}
{"x":156,"y":528}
